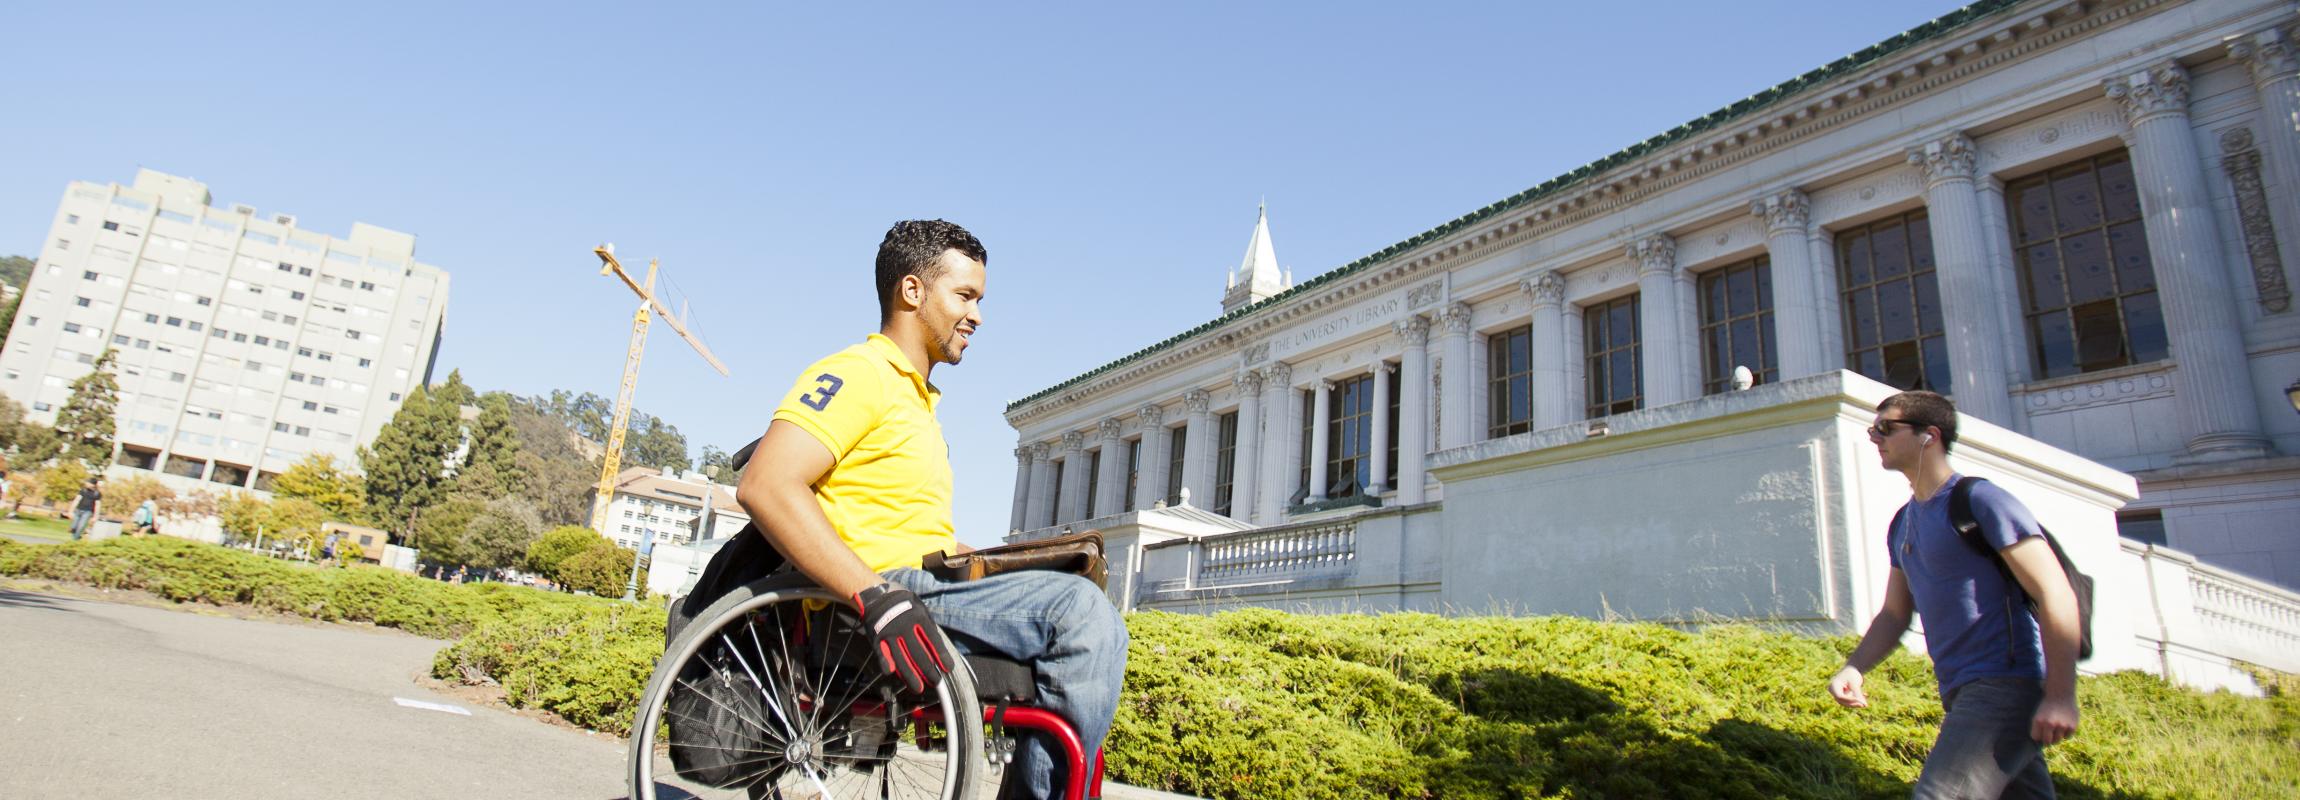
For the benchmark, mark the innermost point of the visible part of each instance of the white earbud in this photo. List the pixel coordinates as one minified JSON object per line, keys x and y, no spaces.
{"x":1927,"y":440}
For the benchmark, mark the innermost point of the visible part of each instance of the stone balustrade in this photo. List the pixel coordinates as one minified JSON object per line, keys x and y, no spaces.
{"x":1279,"y":552}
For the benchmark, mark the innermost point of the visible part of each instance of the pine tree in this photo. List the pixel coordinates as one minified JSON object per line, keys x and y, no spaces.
{"x":407,"y":465}
{"x":491,"y":467}
{"x":89,"y":417}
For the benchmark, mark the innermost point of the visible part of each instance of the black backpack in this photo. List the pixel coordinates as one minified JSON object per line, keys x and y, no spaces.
{"x":1969,"y":529}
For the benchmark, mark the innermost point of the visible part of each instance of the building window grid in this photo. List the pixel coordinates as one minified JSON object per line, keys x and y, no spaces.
{"x":1892,"y":303}
{"x":1350,"y":437}
{"x":1396,"y":402}
{"x":1225,"y":461}
{"x":1509,"y":382}
{"x":1093,"y":482}
{"x":1133,"y":472}
{"x":1737,"y":324}
{"x":1613,"y":357}
{"x":1177,"y":445}
{"x":2087,"y":284}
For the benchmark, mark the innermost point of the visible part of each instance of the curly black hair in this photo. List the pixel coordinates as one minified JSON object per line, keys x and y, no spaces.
{"x":915,"y":247}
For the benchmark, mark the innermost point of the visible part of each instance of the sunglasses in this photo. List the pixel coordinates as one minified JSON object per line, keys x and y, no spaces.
{"x":1883,"y":428}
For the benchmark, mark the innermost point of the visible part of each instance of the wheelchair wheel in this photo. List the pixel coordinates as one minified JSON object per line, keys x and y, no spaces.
{"x":775,"y":692}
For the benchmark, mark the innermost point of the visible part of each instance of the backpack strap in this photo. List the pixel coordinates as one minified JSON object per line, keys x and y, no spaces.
{"x":1961,"y":517}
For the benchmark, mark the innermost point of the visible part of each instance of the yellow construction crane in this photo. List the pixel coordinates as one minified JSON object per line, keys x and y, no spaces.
{"x":646,"y":291}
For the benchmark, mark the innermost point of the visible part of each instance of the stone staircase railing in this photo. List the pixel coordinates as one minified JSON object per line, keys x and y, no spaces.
{"x":1292,"y":551}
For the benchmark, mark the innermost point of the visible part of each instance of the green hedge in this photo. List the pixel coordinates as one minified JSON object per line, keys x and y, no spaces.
{"x":1262,"y":704}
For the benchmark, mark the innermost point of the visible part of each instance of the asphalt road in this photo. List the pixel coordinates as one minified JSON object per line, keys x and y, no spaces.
{"x":107,"y":700}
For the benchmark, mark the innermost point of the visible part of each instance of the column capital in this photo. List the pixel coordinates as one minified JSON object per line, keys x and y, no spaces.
{"x":1152,"y":414}
{"x":1456,"y":318}
{"x":1073,"y":441}
{"x":1325,"y":385}
{"x":2162,"y":88}
{"x":1951,"y":157}
{"x":1415,"y":329}
{"x":1039,"y":451}
{"x":1656,"y":253}
{"x":1280,"y":374}
{"x":1786,"y":210}
{"x":1250,"y":381}
{"x":1547,"y":288}
{"x":1198,"y":401}
{"x":2268,"y":52}
{"x":1384,"y":368}
{"x":1024,"y":454}
{"x":1111,"y":428}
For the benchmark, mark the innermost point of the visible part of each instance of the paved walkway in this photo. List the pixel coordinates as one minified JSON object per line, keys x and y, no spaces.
{"x":102,"y":699}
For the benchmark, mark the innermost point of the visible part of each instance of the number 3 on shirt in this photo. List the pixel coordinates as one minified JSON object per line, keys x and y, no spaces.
{"x":826,"y":387}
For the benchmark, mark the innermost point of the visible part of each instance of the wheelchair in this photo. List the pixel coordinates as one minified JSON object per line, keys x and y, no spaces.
{"x":774,"y":691}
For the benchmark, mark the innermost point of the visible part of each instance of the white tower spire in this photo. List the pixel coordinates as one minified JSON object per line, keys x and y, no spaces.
{"x":1258,"y":275}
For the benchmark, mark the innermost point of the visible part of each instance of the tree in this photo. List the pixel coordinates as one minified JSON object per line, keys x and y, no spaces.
{"x":491,"y":466}
{"x":61,"y":483}
{"x":8,"y":316}
{"x":37,"y":444}
{"x":297,"y":520}
{"x":12,"y":423}
{"x":441,"y":531}
{"x":406,"y":466}
{"x":601,"y":569}
{"x":91,"y":414}
{"x":337,"y":491}
{"x":244,"y":515}
{"x":717,"y":465}
{"x":195,"y":503}
{"x":16,"y":270}
{"x":122,"y":496}
{"x":501,"y":533}
{"x":551,"y":550}
{"x":558,"y":476}
{"x":658,"y":445}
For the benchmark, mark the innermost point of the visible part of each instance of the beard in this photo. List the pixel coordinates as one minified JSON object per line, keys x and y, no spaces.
{"x":945,"y":351}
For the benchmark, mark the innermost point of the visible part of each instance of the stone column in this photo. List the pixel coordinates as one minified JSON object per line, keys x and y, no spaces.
{"x":1279,"y":443}
{"x":2275,"y":63}
{"x":1688,"y":334}
{"x":1453,"y":396}
{"x":1997,"y":227}
{"x":1378,"y":475}
{"x":1796,"y":290}
{"x":2213,"y":385}
{"x":1042,"y":508}
{"x":1823,"y":249}
{"x":1321,"y":416}
{"x":1413,"y":407}
{"x":1547,"y":291}
{"x":1073,"y":478}
{"x":1198,"y":447}
{"x":1968,"y":295}
{"x":1656,"y":260}
{"x":1021,"y":488}
{"x":1246,"y":461}
{"x":1110,"y":488}
{"x":1150,"y":485}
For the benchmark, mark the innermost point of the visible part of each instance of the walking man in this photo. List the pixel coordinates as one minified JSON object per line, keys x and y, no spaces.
{"x":852,"y":484}
{"x":84,"y":509}
{"x":2007,"y":677}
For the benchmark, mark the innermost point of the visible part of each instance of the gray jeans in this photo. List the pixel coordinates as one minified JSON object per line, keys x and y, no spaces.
{"x":1984,"y":751}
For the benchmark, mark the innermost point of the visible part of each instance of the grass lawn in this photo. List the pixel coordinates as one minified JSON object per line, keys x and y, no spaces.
{"x":37,"y":528}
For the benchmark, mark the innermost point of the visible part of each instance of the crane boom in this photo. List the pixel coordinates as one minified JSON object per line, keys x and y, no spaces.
{"x":612,"y":463}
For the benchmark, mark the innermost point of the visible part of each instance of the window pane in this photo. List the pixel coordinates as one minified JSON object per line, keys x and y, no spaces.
{"x":1863,"y":314}
{"x":2044,"y":281}
{"x":1741,"y":292}
{"x":2099,"y":335}
{"x":2084,"y":260}
{"x":1928,"y":306}
{"x":2144,"y":324}
{"x":2056,"y":347}
{"x":2075,"y":201}
{"x":1856,"y":260}
{"x":2032,"y":213}
{"x":1745,"y":345}
{"x":1904,"y":368}
{"x":1937,"y":364}
{"x":1920,"y":242}
{"x":1892,"y":252}
{"x":1896,"y":311}
{"x":2128,"y":247}
{"x":2120,"y":199}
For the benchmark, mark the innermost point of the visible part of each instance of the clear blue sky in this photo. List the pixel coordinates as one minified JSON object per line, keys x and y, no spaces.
{"x":1110,"y":157}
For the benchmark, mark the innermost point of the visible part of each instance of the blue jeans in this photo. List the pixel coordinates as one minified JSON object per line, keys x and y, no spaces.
{"x":1062,"y":626}
{"x":80,"y":523}
{"x":1984,"y":750}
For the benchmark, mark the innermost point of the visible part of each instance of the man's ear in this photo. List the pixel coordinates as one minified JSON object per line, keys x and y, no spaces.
{"x":912,"y":290}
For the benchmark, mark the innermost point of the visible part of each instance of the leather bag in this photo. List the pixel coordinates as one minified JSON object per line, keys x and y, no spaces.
{"x":1078,"y":554}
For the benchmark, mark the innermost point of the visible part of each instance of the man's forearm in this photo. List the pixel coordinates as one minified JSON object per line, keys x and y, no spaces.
{"x":1883,"y":637}
{"x":793,"y":522}
{"x":2063,"y":636}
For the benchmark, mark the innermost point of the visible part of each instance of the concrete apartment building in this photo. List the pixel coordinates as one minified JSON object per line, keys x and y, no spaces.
{"x":245,"y":342}
{"x":2076,"y":218}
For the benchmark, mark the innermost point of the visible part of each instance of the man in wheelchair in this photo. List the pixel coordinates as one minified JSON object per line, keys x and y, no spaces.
{"x":852,"y":484}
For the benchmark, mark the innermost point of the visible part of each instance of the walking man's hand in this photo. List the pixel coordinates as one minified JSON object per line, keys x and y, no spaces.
{"x":2055,"y":720}
{"x":1845,"y":687}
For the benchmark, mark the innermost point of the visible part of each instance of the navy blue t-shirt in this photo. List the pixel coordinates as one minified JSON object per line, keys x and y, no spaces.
{"x":1976,"y":623}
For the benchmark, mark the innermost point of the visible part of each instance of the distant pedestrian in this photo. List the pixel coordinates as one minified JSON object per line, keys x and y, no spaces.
{"x":2007,"y":676}
{"x":147,"y":516}
{"x":84,"y":509}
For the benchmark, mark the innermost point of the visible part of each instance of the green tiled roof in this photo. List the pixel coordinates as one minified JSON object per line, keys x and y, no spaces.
{"x":1859,"y":59}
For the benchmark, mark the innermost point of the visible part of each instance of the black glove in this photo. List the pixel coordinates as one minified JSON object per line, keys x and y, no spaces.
{"x":904,"y":635}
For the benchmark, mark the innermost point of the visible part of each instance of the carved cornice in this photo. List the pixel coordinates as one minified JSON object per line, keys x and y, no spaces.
{"x":2269,"y":53}
{"x":1455,"y":317}
{"x":1073,"y":441}
{"x":1152,"y":414}
{"x":2160,"y":89}
{"x":1414,"y":329}
{"x":1970,"y":42}
{"x":1198,"y":401}
{"x":1784,"y":211}
{"x":1656,"y":253}
{"x":1111,"y":428}
{"x":1547,"y":288}
{"x":1949,"y":158}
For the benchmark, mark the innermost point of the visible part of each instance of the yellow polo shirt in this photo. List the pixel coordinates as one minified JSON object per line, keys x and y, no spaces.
{"x":888,"y":495}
